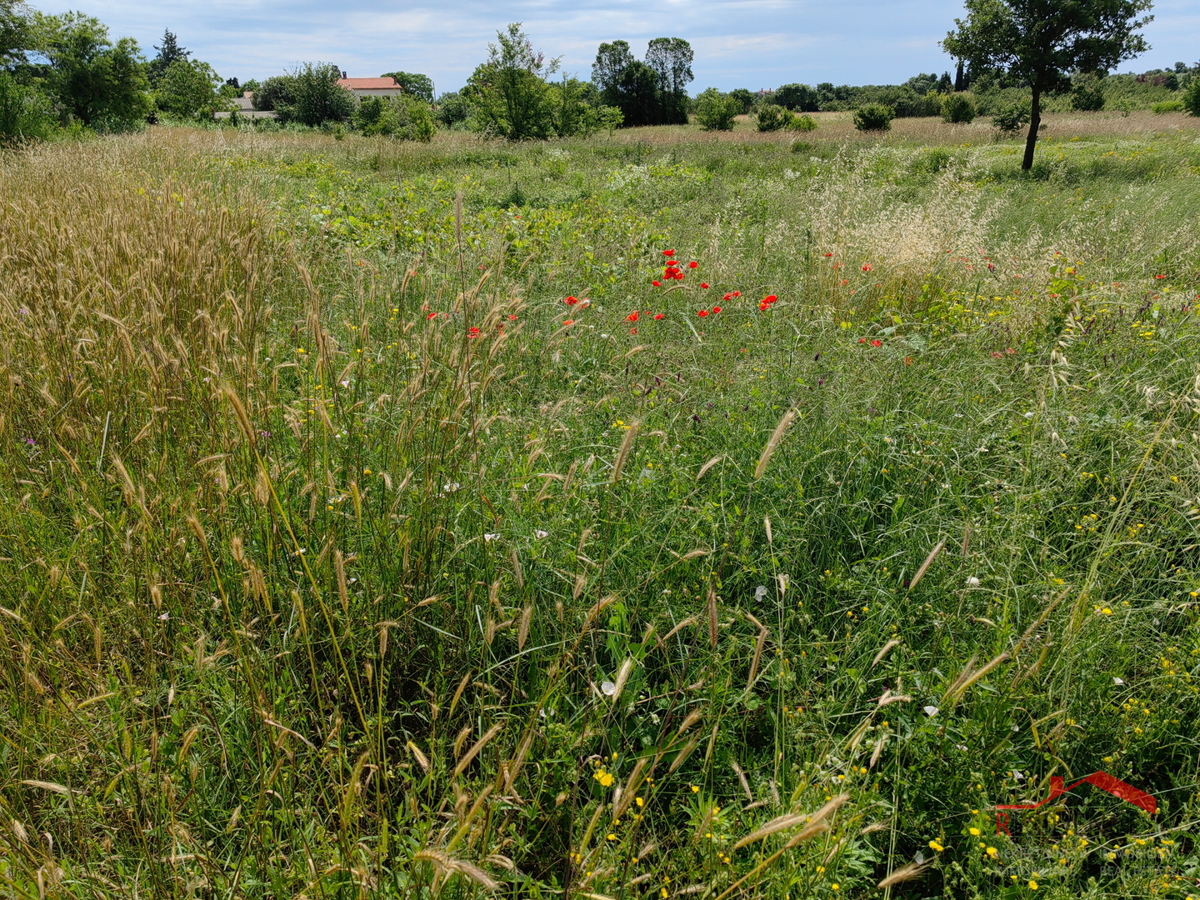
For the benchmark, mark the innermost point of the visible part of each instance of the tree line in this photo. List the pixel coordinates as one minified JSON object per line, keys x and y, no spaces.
{"x":65,"y":71}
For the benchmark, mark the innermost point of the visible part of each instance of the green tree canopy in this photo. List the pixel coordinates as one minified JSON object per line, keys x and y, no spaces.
{"x":797,"y":97}
{"x":509,"y":94}
{"x":1042,"y":41}
{"x":15,"y":34}
{"x":415,"y":85}
{"x":189,"y":89}
{"x":93,"y":80}
{"x":671,"y":60}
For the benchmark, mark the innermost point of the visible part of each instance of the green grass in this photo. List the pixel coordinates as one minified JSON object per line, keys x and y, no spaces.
{"x":310,"y":588}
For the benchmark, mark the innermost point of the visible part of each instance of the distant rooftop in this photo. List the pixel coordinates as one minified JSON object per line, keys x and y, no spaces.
{"x":368,"y":84}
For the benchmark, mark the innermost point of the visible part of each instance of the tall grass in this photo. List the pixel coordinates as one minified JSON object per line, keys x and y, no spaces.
{"x":336,"y":563}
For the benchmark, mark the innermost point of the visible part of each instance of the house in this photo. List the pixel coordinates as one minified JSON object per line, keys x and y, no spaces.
{"x":371,"y":87}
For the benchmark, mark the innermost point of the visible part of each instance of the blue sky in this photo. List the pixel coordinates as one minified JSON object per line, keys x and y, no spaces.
{"x":738,"y":43}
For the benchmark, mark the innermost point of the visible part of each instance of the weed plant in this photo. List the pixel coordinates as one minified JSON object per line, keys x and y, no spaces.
{"x":628,"y":517}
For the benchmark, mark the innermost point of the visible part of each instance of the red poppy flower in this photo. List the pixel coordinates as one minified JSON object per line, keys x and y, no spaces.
{"x":672,"y":265}
{"x":660,"y":316}
{"x":737,"y":293}
{"x":702,"y":313}
{"x":633,"y":316}
{"x":568,"y":322}
{"x":512,"y":317}
{"x":656,"y":283}
{"x":693,"y":264}
{"x":668,"y":253}
{"x":1160,"y":276}
{"x":472,"y":332}
{"x":633,"y":331}
{"x":867,"y":267}
{"x":727,"y":297}
{"x":432,"y":316}
{"x":704,"y":285}
{"x":716,"y":309}
{"x":571,"y":301}
{"x":770,"y":298}
{"x":762,"y":306}
{"x":827,"y":255}
{"x":876,"y":343}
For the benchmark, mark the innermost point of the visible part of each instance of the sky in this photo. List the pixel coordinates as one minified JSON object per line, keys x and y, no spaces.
{"x":753,"y":44}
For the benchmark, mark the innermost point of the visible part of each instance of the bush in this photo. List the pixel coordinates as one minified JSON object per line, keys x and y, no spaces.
{"x":958,"y":109}
{"x":453,"y":109}
{"x":25,"y":113}
{"x":774,"y":118}
{"x":874,"y":117}
{"x":715,"y":111}
{"x":1087,"y":93}
{"x":1011,"y":117}
{"x":1191,"y":97}
{"x":317,"y":97}
{"x":405,"y":118}
{"x":803,"y":123}
{"x":1167,"y":106}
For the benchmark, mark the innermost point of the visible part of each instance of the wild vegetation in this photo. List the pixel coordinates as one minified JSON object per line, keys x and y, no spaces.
{"x":661,"y":514}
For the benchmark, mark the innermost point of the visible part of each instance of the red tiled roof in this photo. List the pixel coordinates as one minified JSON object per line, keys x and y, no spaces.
{"x":363,"y":84}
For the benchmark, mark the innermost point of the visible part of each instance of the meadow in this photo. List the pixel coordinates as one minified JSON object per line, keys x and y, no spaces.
{"x":660,"y":514}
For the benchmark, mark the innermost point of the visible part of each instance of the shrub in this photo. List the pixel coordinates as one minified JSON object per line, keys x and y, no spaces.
{"x":874,"y":117}
{"x":958,"y":109}
{"x":715,"y":111}
{"x":1011,"y":117}
{"x":25,"y":113}
{"x":803,"y":123}
{"x":405,"y":118}
{"x":1191,"y":97}
{"x":774,"y":118}
{"x":1167,"y":106}
{"x":1087,"y":93}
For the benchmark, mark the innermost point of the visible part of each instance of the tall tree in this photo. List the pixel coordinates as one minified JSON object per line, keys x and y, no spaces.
{"x":609,"y":68}
{"x":168,"y":52}
{"x":414,"y":84}
{"x":97,"y":82}
{"x":1043,"y":41}
{"x":671,"y":60}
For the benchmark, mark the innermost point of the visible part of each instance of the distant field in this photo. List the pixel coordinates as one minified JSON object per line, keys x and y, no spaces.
{"x":373,"y":525}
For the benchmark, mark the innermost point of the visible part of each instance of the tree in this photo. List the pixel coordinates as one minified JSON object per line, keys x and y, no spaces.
{"x":453,"y":108}
{"x":93,"y":80}
{"x":671,"y":60}
{"x":509,"y":94}
{"x":415,"y":85}
{"x":168,"y":52}
{"x":189,"y":89}
{"x":316,"y":97}
{"x":608,"y":71}
{"x":798,"y":97}
{"x":14,"y":32}
{"x":744,"y":98}
{"x":1042,"y":41}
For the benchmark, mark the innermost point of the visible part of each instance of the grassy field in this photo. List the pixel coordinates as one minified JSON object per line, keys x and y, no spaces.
{"x":384,"y":520}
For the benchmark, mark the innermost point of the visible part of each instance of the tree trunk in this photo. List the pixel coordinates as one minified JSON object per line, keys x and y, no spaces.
{"x":1035,"y":122}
